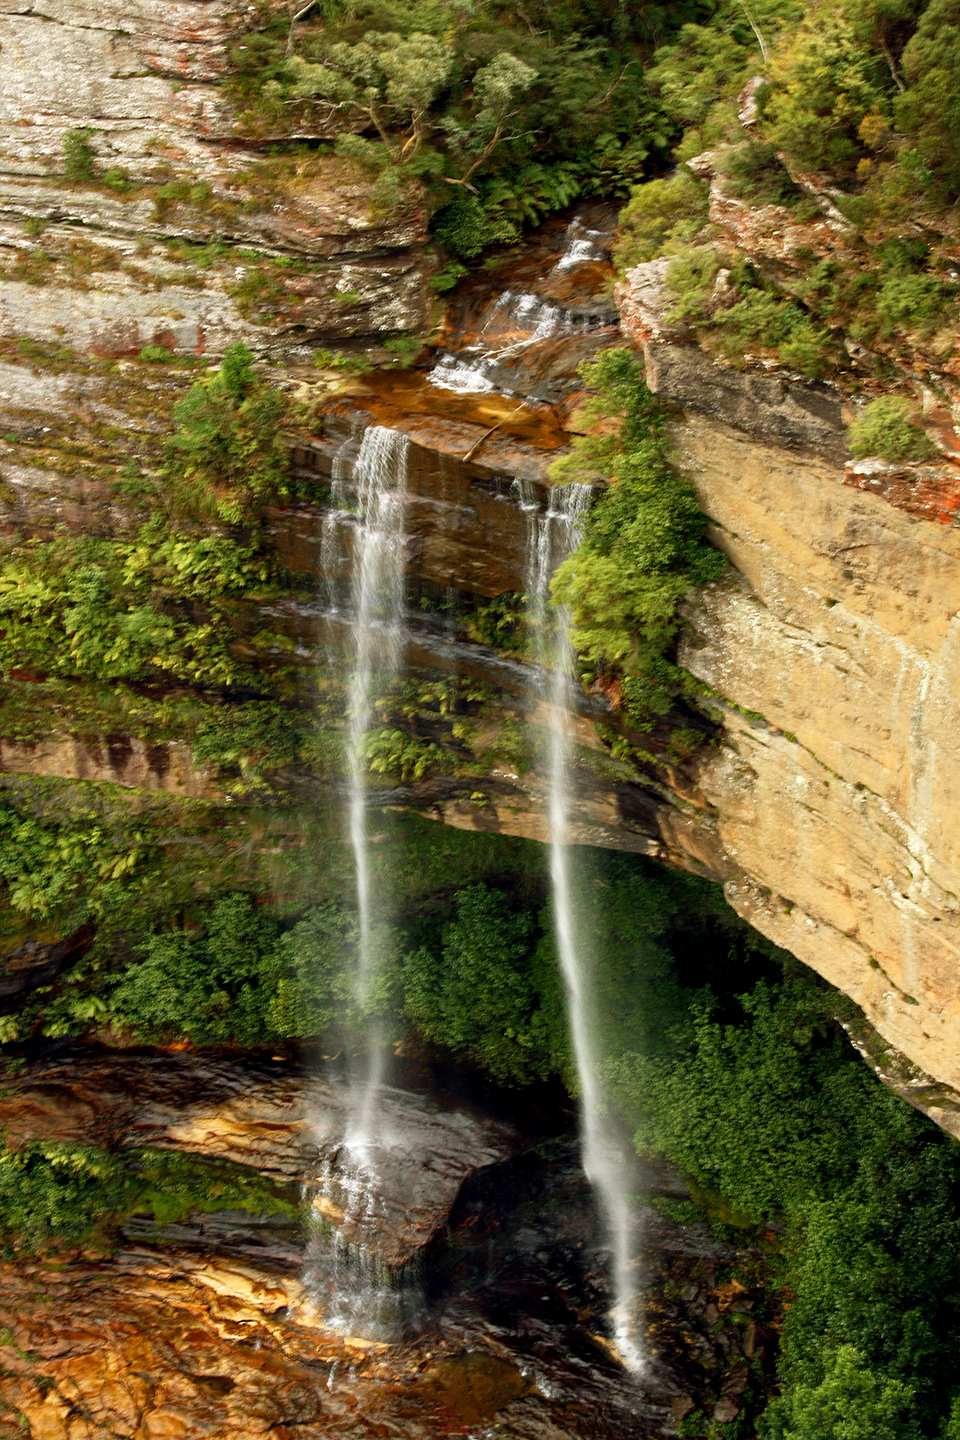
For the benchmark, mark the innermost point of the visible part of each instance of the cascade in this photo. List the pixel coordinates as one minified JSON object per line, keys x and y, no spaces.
{"x":517,"y":320}
{"x":607,"y":1158}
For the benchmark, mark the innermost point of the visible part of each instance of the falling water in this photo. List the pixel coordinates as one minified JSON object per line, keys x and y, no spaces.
{"x":607,"y":1161}
{"x":379,"y":478}
{"x":364,"y":530}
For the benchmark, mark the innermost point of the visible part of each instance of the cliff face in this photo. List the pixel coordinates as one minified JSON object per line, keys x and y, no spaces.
{"x":295,"y":245}
{"x":828,"y":806}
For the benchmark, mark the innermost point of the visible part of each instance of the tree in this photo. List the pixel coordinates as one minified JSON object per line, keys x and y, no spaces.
{"x":851,"y":1403}
{"x":227,"y":454}
{"x":389,"y":81}
{"x":929,"y":108}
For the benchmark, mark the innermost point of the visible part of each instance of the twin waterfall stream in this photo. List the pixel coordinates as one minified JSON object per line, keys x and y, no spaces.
{"x":365,"y":536}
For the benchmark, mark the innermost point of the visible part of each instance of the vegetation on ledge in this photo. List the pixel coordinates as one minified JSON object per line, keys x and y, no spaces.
{"x":642,"y":547}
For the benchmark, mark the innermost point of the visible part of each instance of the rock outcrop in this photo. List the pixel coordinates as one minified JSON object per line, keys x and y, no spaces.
{"x":831,"y":655}
{"x":276,"y":1122}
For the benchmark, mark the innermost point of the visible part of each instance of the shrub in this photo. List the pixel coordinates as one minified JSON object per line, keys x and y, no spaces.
{"x":116,"y":179}
{"x":79,"y":156}
{"x":488,"y":992}
{"x":660,"y":215}
{"x":466,"y":228}
{"x":215,"y":988}
{"x":64,"y":1191}
{"x":227,"y":455}
{"x":886,"y":428}
{"x":643,"y":545}
{"x":319,"y":988}
{"x":758,"y":175}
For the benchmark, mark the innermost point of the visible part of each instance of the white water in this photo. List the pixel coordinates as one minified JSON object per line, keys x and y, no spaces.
{"x":363,"y":535}
{"x":607,"y":1160}
{"x":378,"y":623}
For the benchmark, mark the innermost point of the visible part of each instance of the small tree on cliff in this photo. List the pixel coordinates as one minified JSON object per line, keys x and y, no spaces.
{"x":393,"y":83}
{"x":643,"y":544}
{"x":227,"y":455}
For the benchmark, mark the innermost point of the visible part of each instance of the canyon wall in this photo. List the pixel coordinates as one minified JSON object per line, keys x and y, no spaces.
{"x":826,"y":802}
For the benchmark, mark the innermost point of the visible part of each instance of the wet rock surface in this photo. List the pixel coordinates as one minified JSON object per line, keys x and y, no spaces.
{"x":193,"y":1335}
{"x":270,"y":1117}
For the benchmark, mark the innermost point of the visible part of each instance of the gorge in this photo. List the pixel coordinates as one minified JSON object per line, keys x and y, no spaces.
{"x":360,"y":834}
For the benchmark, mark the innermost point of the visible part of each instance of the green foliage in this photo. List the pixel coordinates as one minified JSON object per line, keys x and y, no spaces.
{"x":156,"y":354}
{"x":71,"y":869}
{"x":762,"y":1101}
{"x":319,"y":990}
{"x":79,"y":157}
{"x":758,"y":176}
{"x":155,"y":606}
{"x":503,"y":119}
{"x":642,"y":548}
{"x":747,"y":316}
{"x":392,"y":752}
{"x":403,"y":348}
{"x":929,"y":108}
{"x":703,"y":66}
{"x":227,"y":455}
{"x":851,"y":1402}
{"x":116,"y":179}
{"x":466,"y":227}
{"x":339,"y":360}
{"x":57,"y":1189}
{"x":64,"y":1191}
{"x":886,"y":428}
{"x":487,"y":991}
{"x":499,"y":623}
{"x":215,"y":988}
{"x":660,"y":216}
{"x":823,"y":83}
{"x":446,"y":277}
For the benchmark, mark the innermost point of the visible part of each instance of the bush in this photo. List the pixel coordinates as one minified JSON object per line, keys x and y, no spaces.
{"x":929,"y":108}
{"x":227,"y":455}
{"x":79,"y":156}
{"x":116,"y":610}
{"x":215,"y":988}
{"x":643,"y":546}
{"x":660,"y":215}
{"x":465,"y":228}
{"x":759,"y":177}
{"x":319,"y":989}
{"x":488,"y":991}
{"x":886,"y":428}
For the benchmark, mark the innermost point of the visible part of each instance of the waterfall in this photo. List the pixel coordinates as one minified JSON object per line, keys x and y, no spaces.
{"x":607,"y":1158}
{"x":379,"y":479}
{"x":365,"y":529}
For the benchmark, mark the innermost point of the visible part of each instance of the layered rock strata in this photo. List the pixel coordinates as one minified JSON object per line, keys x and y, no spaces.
{"x":831,"y":655}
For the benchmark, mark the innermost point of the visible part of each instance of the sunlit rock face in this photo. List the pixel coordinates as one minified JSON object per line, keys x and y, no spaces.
{"x":830,"y":808}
